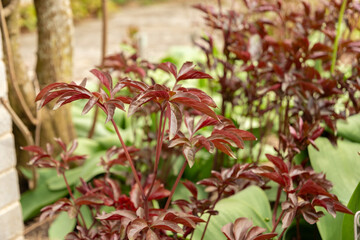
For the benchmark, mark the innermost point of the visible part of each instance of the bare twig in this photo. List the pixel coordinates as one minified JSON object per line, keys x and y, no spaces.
{"x":38,"y":224}
{"x":12,"y":75}
{"x":22,"y":127}
{"x":25,"y":132}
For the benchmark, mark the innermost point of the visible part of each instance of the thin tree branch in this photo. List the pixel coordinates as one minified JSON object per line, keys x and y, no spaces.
{"x":12,"y":75}
{"x":22,"y":127}
{"x":25,"y":132}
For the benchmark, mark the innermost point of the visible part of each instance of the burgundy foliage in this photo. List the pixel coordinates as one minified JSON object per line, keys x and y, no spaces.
{"x":272,"y":67}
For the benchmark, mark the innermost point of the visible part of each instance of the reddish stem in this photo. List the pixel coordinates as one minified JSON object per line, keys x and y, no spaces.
{"x":73,"y":198}
{"x":276,"y":205}
{"x":129,"y":159}
{"x":278,"y":221}
{"x":175,"y":185}
{"x":282,"y":233}
{"x":159,"y":140}
{"x":68,"y":187}
{"x":212,"y":208}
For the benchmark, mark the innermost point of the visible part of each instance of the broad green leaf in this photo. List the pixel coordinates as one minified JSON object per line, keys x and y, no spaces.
{"x":329,"y":227}
{"x":341,"y":165}
{"x":61,"y":226}
{"x":251,"y":203}
{"x":348,"y":222}
{"x":32,"y":201}
{"x":87,"y":147}
{"x":349,"y":128}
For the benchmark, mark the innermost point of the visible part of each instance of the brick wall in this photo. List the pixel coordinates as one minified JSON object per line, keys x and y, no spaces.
{"x":11,"y":224}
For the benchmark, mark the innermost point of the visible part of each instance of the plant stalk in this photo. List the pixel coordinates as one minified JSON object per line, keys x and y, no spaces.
{"x":73,"y":198}
{"x":277,"y":222}
{"x":212,"y":208}
{"x":160,"y":137}
{"x":12,"y":75}
{"x":129,"y":158}
{"x":175,"y":185}
{"x":278,"y":194}
{"x":337,"y":38}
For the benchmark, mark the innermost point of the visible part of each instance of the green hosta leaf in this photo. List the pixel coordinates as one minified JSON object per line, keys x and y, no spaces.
{"x":341,"y":165}
{"x":62,"y":225}
{"x":350,"y":128}
{"x":329,"y":227}
{"x":32,"y":201}
{"x":251,"y":203}
{"x":348,"y":222}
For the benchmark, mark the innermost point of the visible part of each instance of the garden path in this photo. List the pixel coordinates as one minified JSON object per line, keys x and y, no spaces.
{"x":161,"y":26}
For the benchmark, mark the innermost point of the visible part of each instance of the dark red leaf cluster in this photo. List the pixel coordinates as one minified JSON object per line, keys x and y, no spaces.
{"x":42,"y":158}
{"x":224,"y":136}
{"x":305,"y":190}
{"x":230,"y":180}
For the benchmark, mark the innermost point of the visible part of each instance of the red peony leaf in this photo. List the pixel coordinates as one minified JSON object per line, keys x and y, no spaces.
{"x":204,"y":122}
{"x":232,"y":136}
{"x":310,"y":187}
{"x":341,"y":208}
{"x":168,"y":67}
{"x":204,"y":98}
{"x":117,"y":215}
{"x":224,"y":148}
{"x":158,"y":191}
{"x":46,"y":90}
{"x":228,"y":231}
{"x":180,"y":219}
{"x":191,"y":187}
{"x":151,"y":235}
{"x":89,"y":200}
{"x":104,"y":78}
{"x":241,"y":227}
{"x":266,"y":236}
{"x":245,"y":135}
{"x":175,"y":120}
{"x":135,"y":227}
{"x":189,"y":153}
{"x":187,"y":72}
{"x":288,"y":217}
{"x":276,"y":177}
{"x":185,"y":95}
{"x":278,"y":162}
{"x":201,"y":107}
{"x":167,"y":225}
{"x":179,"y":141}
{"x":326,"y":203}
{"x":201,"y":141}
{"x":90,"y":104}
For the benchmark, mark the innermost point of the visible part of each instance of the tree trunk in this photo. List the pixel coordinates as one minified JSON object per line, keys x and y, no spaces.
{"x":26,"y":86}
{"x":54,"y":63}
